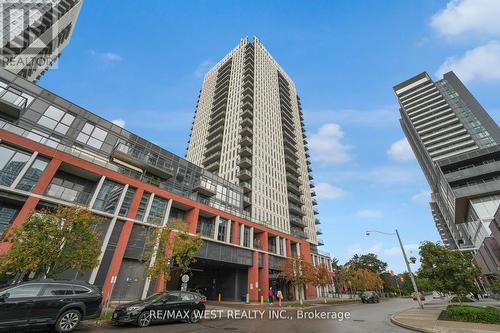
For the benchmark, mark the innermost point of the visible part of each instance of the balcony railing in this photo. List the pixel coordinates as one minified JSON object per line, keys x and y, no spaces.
{"x":144,"y":158}
{"x":205,"y":187}
{"x":11,"y":102}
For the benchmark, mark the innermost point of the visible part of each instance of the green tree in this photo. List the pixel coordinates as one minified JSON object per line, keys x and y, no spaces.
{"x":447,"y":271}
{"x":51,"y":242}
{"x":169,"y":245}
{"x":368,"y":261}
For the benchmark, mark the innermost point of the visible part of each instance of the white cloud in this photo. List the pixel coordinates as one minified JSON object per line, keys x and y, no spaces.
{"x":203,"y":68}
{"x":107,"y":56}
{"x":328,"y":191}
{"x":468,"y":16}
{"x":119,"y":122}
{"x":422,"y":197}
{"x":326,"y":145}
{"x":369,"y":214}
{"x":401,"y":151}
{"x":482,"y":62}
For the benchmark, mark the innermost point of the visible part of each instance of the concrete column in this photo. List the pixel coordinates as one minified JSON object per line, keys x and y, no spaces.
{"x":242,"y":234}
{"x":236,"y":233}
{"x":288,"y":248}
{"x":96,"y":192}
{"x":216,"y":231}
{"x":192,"y":219}
{"x":228,"y":231}
{"x":253,"y":278}
{"x":251,"y":237}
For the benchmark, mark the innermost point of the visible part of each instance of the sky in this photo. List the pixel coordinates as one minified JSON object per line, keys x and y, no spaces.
{"x":141,"y":64}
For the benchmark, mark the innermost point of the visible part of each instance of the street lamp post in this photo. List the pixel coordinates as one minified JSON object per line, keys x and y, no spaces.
{"x":417,"y":294}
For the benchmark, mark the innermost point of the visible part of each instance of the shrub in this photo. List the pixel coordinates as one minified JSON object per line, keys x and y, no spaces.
{"x":474,"y":314}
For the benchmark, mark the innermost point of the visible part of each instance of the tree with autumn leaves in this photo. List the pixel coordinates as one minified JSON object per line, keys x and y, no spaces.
{"x":171,"y":245}
{"x":53,"y":241}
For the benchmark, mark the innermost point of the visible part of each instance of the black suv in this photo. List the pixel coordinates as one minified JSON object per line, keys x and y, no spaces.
{"x":62,"y":304}
{"x":162,"y":307}
{"x":369,"y":297}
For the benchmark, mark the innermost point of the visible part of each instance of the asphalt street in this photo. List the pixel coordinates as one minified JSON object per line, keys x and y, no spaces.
{"x":369,"y":318}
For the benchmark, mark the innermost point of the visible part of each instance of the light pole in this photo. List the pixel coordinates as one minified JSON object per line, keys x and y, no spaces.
{"x":417,"y":295}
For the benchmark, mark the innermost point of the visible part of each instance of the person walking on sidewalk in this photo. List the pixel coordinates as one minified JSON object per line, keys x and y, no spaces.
{"x":279,"y":296}
{"x":271,"y":295}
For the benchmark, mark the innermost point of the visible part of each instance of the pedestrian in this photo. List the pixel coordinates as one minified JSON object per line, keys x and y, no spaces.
{"x":279,"y":295}
{"x":271,"y":295}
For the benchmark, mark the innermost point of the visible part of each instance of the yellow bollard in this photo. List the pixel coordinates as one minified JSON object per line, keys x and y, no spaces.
{"x":248,"y":299}
{"x":220,"y":297}
{"x":261,"y":299}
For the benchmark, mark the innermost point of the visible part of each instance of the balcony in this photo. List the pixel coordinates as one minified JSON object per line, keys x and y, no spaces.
{"x":11,"y":102}
{"x":291,"y":161}
{"x":245,"y":152}
{"x":311,"y":185}
{"x":315,"y":211}
{"x":294,"y":198}
{"x":296,"y":232}
{"x":215,"y":140}
{"x":247,"y":200}
{"x":212,"y":158}
{"x":292,"y":179}
{"x":311,"y":177}
{"x":313,"y":193}
{"x":214,"y":131}
{"x":143,"y":158}
{"x":317,"y":221}
{"x":246,"y":131}
{"x":212,"y":149}
{"x":246,"y":186}
{"x":247,"y":122}
{"x":320,"y":242}
{"x":292,"y":170}
{"x":205,"y":187}
{"x":319,"y":231}
{"x":214,"y":167}
{"x":293,"y":188}
{"x":314,"y":202}
{"x":245,"y":175}
{"x":245,"y":162}
{"x":297,"y":221}
{"x":247,"y":114}
{"x":295,"y":209}
{"x":246,"y":141}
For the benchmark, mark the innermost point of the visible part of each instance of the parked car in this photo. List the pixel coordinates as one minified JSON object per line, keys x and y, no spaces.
{"x":162,"y":307}
{"x":437,"y":295}
{"x":61,"y":304}
{"x":369,"y":297}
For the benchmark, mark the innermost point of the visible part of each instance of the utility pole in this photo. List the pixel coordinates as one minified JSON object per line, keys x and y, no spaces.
{"x":417,"y":294}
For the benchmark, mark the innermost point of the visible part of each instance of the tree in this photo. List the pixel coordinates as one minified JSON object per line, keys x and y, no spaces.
{"x":369,"y":261}
{"x":51,"y":242}
{"x":363,"y":279}
{"x":171,"y":246}
{"x":447,"y":271}
{"x":297,"y":272}
{"x":321,"y":277}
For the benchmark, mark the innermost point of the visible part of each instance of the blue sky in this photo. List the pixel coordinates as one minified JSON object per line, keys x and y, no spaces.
{"x":142,"y":63}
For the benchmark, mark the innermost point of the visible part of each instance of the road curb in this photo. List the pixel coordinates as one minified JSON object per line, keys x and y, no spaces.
{"x":410,"y":327}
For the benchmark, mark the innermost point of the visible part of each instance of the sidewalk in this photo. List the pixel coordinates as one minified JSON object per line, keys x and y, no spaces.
{"x":426,"y":321}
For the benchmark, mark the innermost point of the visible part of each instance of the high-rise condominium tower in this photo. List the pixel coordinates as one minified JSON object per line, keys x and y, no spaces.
{"x":248,"y":128}
{"x":34,"y":33}
{"x":458,"y":147}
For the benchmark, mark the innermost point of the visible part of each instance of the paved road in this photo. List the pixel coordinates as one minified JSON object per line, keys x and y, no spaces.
{"x":364,"y":318}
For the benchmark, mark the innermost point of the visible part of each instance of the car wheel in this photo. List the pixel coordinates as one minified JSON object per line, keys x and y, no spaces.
{"x":194,"y":316}
{"x":144,"y":319}
{"x":68,"y":321}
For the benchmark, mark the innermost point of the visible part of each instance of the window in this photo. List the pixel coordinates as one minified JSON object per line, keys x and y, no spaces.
{"x":158,"y":209}
{"x":187,"y":297}
{"x":31,"y":177}
{"x":28,"y":290}
{"x":12,"y":162}
{"x":56,"y":120}
{"x":92,"y":135}
{"x":127,"y":201}
{"x":172,"y":297}
{"x":71,"y":188}
{"x":246,"y":236}
{"x":108,"y":196}
{"x":141,"y":211}
{"x":57,"y":290}
{"x":7,"y":215}
{"x":80,"y":290}
{"x":221,"y":233}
